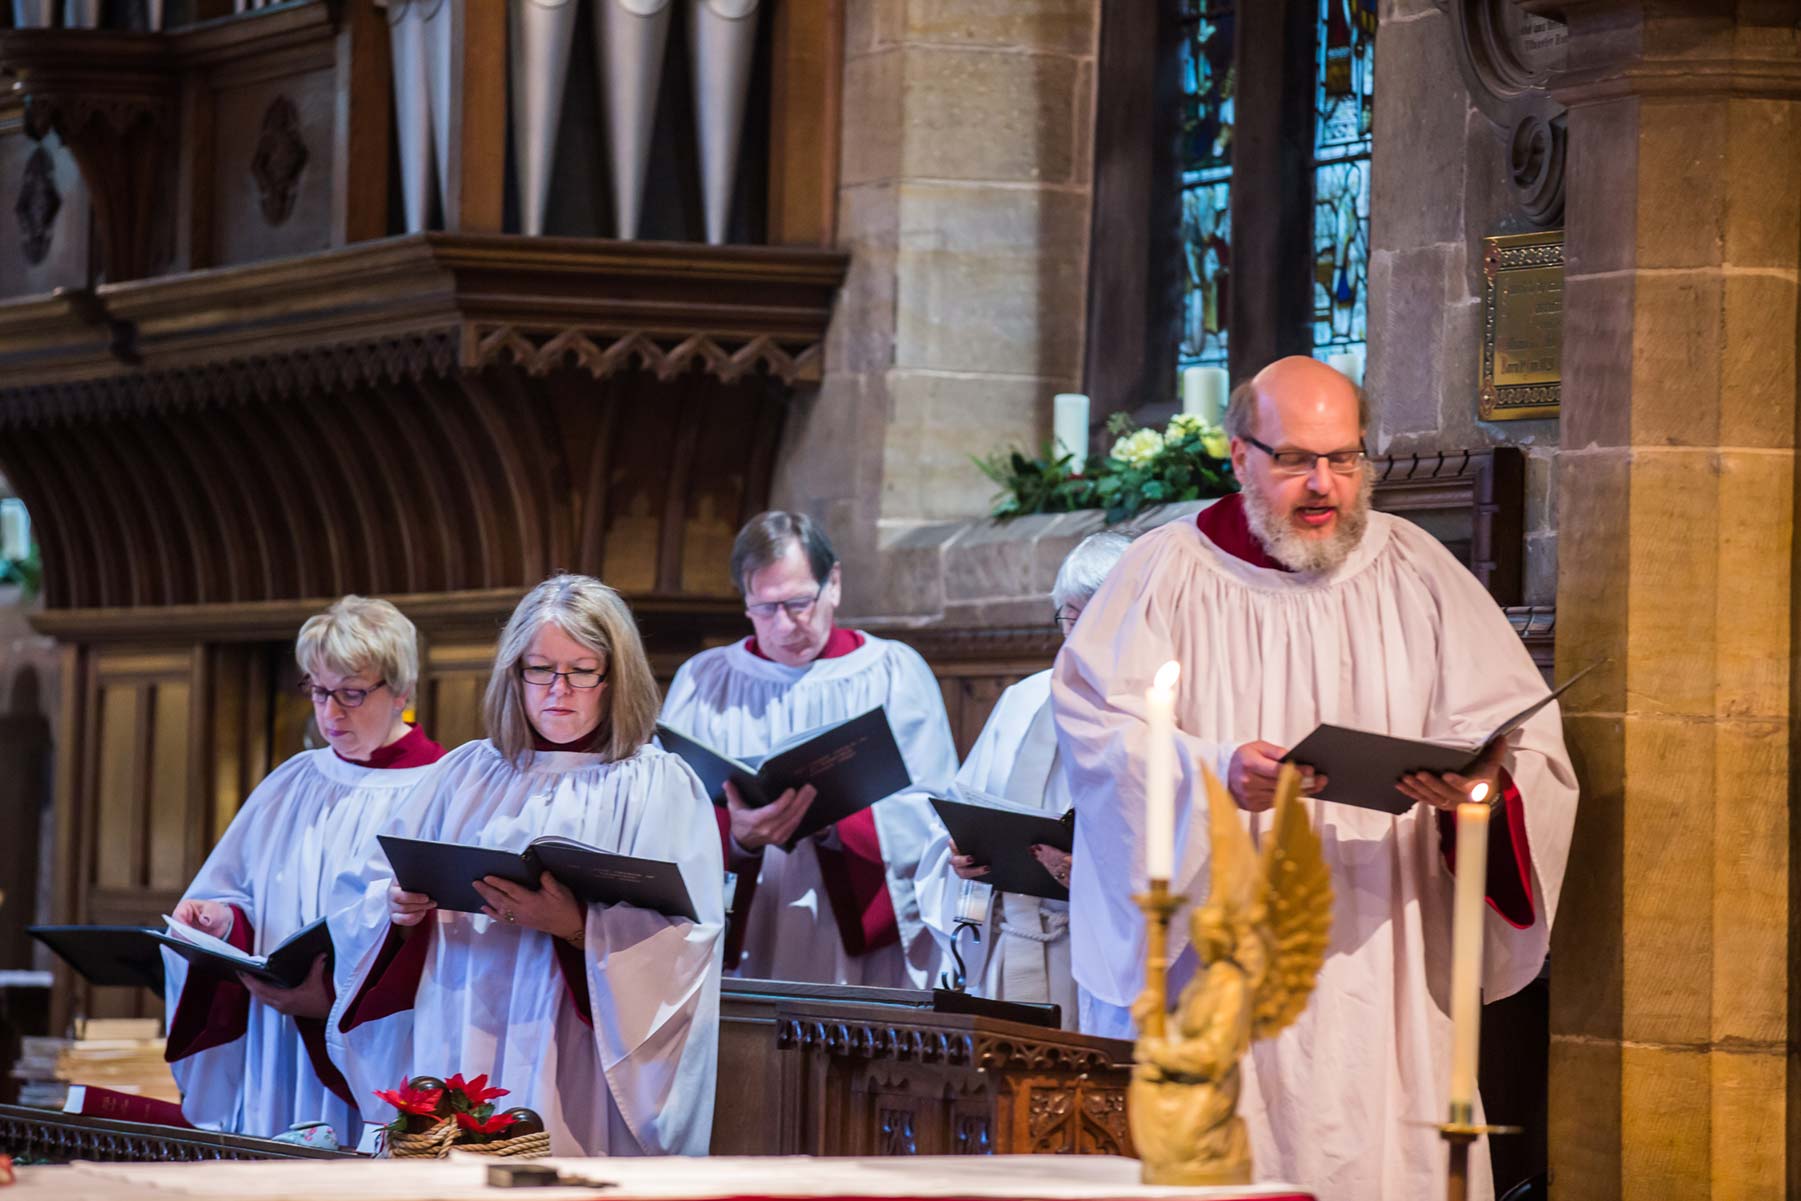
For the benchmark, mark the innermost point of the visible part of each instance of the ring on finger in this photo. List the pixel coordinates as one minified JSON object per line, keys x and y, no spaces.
{"x":508,"y":914}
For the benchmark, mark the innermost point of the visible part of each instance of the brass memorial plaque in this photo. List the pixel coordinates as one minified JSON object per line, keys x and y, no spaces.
{"x":1522,"y":326}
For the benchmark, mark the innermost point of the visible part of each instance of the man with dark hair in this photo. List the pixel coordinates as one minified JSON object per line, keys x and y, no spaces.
{"x":840,"y":907}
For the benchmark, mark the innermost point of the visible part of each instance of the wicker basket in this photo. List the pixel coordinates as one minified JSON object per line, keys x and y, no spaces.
{"x":525,"y":1146}
{"x":430,"y":1144}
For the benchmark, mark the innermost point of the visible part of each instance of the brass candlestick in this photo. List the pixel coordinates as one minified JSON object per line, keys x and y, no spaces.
{"x":1460,"y":1132}
{"x":1159,"y":906}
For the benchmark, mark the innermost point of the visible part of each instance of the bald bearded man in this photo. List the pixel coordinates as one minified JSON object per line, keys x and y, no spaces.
{"x":1289,"y":605}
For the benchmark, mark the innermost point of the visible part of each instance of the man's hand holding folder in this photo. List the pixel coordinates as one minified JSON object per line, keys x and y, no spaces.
{"x":755,"y":828}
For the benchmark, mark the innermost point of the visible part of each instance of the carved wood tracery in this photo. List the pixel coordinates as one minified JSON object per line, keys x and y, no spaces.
{"x":422,"y":415}
{"x":914,"y":1081}
{"x":111,"y":99}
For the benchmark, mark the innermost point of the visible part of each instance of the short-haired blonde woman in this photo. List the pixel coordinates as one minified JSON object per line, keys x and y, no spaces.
{"x":250,"y":1058}
{"x":605,"y":1019}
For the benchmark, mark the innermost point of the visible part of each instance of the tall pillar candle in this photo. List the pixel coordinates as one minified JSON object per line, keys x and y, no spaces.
{"x":1160,"y":774}
{"x":1466,"y":956}
{"x":1069,"y":428}
{"x":1204,"y":393}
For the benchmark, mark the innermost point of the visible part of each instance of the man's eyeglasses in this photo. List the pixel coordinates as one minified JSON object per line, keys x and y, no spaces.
{"x":546,"y":677}
{"x":350,"y":698}
{"x":1300,"y":462}
{"x":796,"y":607}
{"x":1066,"y":619}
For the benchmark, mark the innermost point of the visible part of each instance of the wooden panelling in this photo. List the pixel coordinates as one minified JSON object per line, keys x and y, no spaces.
{"x":118,"y":794}
{"x":176,"y":805}
{"x":454,"y":678}
{"x":132,"y":829}
{"x":805,"y":121}
{"x":241,"y":106}
{"x":62,"y":246}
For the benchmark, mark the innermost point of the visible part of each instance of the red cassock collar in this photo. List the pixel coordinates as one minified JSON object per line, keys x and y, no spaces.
{"x":1226,"y":527}
{"x":838,"y":644}
{"x":413,"y":749}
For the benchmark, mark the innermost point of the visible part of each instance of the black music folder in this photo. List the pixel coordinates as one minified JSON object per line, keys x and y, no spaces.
{"x":1001,"y":834}
{"x":443,"y":871}
{"x":131,"y":956}
{"x":851,"y":765}
{"x":1363,"y":768}
{"x":285,"y":967}
{"x":108,"y":956}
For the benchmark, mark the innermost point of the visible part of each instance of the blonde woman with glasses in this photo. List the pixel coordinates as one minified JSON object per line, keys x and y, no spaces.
{"x":251,"y":1058}
{"x":602,"y":1019}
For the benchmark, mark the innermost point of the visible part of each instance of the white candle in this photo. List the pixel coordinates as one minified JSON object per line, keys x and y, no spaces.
{"x":1204,"y":392}
{"x":1466,"y":952}
{"x":1160,"y":774}
{"x":1348,"y":364}
{"x":1069,"y":428}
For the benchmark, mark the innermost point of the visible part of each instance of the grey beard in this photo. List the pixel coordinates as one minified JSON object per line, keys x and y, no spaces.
{"x":1299,"y":553}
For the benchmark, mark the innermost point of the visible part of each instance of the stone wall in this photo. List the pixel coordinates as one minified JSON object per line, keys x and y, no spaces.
{"x":964,"y":199}
{"x":1438,"y":187}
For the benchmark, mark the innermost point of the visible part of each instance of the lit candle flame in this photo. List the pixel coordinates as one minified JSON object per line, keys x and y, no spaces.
{"x":1165,"y":680}
{"x":1479,"y":792}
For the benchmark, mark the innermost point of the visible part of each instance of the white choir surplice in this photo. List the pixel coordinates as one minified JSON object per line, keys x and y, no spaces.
{"x":1023,"y":954}
{"x":1399,"y":639}
{"x":744,"y":705}
{"x":310,"y":821}
{"x":492,"y":999}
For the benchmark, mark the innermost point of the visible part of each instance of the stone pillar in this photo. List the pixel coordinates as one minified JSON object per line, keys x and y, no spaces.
{"x":964,"y":199}
{"x":1674,"y":1004}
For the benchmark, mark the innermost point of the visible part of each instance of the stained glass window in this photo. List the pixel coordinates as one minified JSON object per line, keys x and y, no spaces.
{"x":1206,"y":165}
{"x":1344,"y":97}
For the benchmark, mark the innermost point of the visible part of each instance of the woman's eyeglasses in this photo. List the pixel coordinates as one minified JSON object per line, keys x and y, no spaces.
{"x":545,"y":677}
{"x":350,"y":698}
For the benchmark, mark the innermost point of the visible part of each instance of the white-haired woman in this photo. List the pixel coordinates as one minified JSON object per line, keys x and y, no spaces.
{"x":602,"y":1019}
{"x":1023,"y":954}
{"x":250,"y":1058}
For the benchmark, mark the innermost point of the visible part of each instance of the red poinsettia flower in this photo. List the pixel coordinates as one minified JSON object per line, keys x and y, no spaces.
{"x":407,"y":1099}
{"x":493,"y":1125}
{"x":476,"y":1090}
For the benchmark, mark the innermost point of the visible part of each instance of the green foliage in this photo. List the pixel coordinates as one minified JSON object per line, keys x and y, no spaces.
{"x":1186,"y":461}
{"x":27,"y":573}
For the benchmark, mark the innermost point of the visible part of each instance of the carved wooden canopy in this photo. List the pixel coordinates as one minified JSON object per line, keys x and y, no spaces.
{"x":431,"y":414}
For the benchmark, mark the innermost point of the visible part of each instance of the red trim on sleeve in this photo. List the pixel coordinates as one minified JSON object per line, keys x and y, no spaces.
{"x":1509,"y":879}
{"x":856,"y":884}
{"x":393,"y":982}
{"x":212,"y":1010}
{"x":575,"y":978}
{"x":312,"y":1037}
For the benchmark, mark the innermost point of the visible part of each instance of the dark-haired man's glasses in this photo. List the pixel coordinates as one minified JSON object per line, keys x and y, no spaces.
{"x":545,"y":677}
{"x":796,"y":607}
{"x":350,"y":698}
{"x":1300,"y":462}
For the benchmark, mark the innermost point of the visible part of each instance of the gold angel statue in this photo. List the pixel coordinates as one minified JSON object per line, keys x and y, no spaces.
{"x":1261,"y":938}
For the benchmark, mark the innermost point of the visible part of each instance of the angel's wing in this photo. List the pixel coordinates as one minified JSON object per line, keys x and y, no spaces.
{"x":1299,"y":901}
{"x":1232,"y":858}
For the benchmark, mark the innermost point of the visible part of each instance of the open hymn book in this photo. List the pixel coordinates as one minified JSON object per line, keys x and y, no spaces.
{"x":851,"y":764}
{"x":1362,"y":768}
{"x":130,"y":955}
{"x":999,"y":833}
{"x":444,"y":871}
